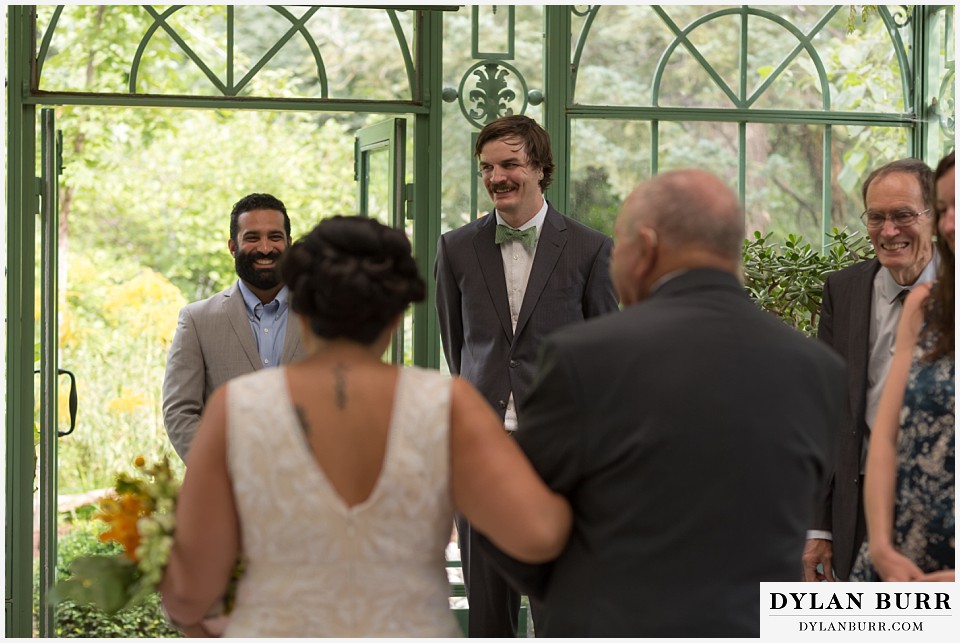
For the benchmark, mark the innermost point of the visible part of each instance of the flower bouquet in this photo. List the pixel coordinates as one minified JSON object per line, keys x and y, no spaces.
{"x":140,"y":517}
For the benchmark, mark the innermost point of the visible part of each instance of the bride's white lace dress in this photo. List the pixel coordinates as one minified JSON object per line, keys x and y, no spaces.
{"x":316,"y":567}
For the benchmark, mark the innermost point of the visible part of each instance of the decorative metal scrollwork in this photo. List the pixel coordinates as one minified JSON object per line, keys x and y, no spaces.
{"x":497,"y":85}
{"x":581,"y":12}
{"x":902,"y":15}
{"x":945,"y":106}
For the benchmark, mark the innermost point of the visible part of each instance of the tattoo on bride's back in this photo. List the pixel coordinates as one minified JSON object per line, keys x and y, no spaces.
{"x":340,"y":385}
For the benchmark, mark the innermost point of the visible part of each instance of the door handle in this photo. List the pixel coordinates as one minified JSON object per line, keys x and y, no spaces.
{"x":72,"y":402}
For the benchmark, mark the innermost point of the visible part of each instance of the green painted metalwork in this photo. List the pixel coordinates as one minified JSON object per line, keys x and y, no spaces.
{"x":590,"y":14}
{"x":475,"y":34}
{"x":21,"y":210}
{"x":230,"y":39}
{"x":558,"y":82}
{"x":229,"y":89}
{"x":806,"y":43}
{"x":385,"y":138}
{"x":893,"y":25}
{"x":51,"y":163}
{"x":404,"y":51}
{"x":681,"y":39}
{"x":160,"y":21}
{"x":426,"y":206}
{"x":827,"y":198}
{"x":229,"y":102}
{"x":492,"y":94}
{"x":45,"y":45}
{"x":298,"y":27}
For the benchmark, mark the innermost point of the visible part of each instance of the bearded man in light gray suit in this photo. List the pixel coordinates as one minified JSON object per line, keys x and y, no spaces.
{"x":504,"y":282}
{"x":244,"y":328}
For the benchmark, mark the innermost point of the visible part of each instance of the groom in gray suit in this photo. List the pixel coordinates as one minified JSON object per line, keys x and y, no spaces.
{"x":505,"y":281}
{"x":244,"y":328}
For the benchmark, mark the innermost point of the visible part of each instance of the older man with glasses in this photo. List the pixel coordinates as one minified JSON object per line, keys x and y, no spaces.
{"x":858,"y":318}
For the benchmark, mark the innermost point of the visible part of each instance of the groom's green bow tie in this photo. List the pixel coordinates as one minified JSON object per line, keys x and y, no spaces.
{"x":527,"y":237}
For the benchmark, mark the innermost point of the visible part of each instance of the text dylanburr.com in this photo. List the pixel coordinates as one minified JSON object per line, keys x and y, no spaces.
{"x":908,"y":611}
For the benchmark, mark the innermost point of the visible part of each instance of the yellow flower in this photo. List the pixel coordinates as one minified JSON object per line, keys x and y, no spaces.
{"x":121,"y":515}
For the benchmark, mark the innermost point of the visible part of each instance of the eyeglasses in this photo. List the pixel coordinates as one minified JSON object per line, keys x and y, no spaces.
{"x":901,"y":218}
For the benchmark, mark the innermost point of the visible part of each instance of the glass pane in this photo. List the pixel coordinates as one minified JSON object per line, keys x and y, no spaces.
{"x":625,"y":44}
{"x":856,"y":152}
{"x":784,"y":180}
{"x":350,"y":53}
{"x":377,"y":166}
{"x":608,"y":158}
{"x":862,"y":66}
{"x":711,"y":146}
{"x":619,"y":56}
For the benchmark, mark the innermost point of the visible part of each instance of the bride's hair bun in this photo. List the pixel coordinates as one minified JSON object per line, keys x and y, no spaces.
{"x":351,"y":277}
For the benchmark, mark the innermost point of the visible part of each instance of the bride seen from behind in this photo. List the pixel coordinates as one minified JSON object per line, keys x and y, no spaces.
{"x":337,"y":476}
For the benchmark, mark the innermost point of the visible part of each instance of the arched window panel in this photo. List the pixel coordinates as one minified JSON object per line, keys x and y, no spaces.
{"x":784,"y":58}
{"x":234,"y":51}
{"x":616,"y":49}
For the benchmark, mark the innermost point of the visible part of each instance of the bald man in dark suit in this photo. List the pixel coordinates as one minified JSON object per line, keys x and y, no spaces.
{"x":690,"y":433}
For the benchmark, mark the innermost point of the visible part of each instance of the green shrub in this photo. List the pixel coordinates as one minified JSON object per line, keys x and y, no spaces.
{"x":787,"y":278}
{"x":82,"y":621}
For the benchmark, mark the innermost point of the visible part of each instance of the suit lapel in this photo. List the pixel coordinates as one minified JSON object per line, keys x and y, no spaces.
{"x":549,"y":247}
{"x":860,"y":311}
{"x":491,"y":266}
{"x":236,"y":312}
{"x":291,"y":342}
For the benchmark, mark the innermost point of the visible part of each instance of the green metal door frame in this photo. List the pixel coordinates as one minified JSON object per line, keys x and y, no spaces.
{"x":21,"y":210}
{"x":386,"y":137}
{"x":51,"y":146}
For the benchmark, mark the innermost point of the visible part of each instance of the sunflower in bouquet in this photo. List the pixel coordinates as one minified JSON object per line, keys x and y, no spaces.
{"x":139,"y":516}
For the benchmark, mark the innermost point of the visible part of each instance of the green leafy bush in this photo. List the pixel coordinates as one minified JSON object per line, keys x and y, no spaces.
{"x":81,"y":621}
{"x":787,"y":278}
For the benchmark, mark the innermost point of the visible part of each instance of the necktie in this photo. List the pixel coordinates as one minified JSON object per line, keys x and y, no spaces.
{"x":527,"y":237}
{"x":902,"y":295}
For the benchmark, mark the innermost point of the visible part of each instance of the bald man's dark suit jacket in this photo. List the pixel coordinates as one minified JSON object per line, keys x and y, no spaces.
{"x":690,"y":433}
{"x":569,"y":282}
{"x":845,"y":326}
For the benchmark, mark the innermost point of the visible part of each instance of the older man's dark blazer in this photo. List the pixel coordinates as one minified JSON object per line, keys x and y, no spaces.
{"x":569,"y":282}
{"x":690,"y":433}
{"x":845,"y":325}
